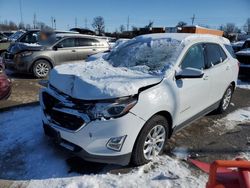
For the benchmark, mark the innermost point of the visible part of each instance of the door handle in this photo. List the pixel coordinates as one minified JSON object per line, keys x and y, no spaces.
{"x":73,"y":50}
{"x":93,"y":49}
{"x":205,"y":77}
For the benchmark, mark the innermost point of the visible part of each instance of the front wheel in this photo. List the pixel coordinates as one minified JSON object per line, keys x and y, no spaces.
{"x":41,"y":68}
{"x":226,"y":99}
{"x":151,"y":140}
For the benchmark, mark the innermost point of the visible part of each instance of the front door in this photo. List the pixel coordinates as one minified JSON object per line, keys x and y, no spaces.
{"x":65,"y":51}
{"x":193,"y":92}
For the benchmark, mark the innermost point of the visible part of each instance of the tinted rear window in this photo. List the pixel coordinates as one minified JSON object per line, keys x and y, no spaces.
{"x":215,"y":54}
{"x":86,"y":42}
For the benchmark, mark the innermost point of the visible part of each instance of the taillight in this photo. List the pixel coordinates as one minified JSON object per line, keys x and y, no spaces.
{"x":238,"y":64}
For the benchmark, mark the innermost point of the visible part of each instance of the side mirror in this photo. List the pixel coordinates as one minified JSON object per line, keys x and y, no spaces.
{"x":57,"y":46}
{"x":189,"y":73}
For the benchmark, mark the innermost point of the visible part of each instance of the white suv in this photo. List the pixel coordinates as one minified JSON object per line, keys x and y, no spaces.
{"x":124,"y":106}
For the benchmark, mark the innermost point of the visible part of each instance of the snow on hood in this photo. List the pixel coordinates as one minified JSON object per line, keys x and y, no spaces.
{"x":100,"y":80}
{"x":19,"y":46}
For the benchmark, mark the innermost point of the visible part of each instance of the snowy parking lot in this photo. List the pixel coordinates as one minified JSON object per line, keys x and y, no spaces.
{"x":29,"y":159}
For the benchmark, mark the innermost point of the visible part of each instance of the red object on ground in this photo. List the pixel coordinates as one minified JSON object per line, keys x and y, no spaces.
{"x":5,"y":83}
{"x":226,"y":173}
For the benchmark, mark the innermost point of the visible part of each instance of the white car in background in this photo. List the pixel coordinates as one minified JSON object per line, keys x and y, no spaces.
{"x":124,"y":107}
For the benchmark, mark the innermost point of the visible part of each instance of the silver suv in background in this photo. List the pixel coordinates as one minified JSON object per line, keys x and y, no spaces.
{"x":58,"y":49}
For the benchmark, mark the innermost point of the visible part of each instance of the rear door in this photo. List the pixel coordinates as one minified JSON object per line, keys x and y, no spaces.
{"x":65,"y":51}
{"x":193,"y":92}
{"x":86,"y":47}
{"x":219,"y":69}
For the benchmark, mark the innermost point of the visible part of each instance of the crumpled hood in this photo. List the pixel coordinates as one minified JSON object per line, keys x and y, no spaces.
{"x":99,"y":80}
{"x":19,"y":47}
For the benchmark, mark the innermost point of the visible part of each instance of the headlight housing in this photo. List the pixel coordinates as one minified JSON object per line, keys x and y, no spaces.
{"x":115,"y":109}
{"x":25,"y":53}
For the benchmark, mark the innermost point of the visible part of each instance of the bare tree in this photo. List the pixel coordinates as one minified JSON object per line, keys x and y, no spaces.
{"x":122,"y":28}
{"x":229,"y":28}
{"x":98,"y":24}
{"x":246,"y":27}
{"x":150,"y":24}
{"x":181,"y":24}
{"x":21,"y":25}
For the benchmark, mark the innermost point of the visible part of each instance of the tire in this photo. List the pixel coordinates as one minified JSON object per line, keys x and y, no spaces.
{"x":226,"y":100}
{"x":157,"y":122}
{"x":41,"y":68}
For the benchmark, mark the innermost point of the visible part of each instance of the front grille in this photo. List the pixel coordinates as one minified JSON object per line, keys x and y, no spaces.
{"x":65,"y":120}
{"x":49,"y":101}
{"x":60,"y":118}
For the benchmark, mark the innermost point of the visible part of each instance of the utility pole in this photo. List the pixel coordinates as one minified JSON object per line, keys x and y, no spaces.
{"x":128,"y":24}
{"x":52,"y":20}
{"x":86,"y":23}
{"x":75,"y":21}
{"x":34,"y":21}
{"x":55,"y":23}
{"x":192,"y":18}
{"x":21,"y":11}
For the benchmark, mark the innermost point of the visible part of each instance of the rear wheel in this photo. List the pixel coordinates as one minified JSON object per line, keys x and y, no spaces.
{"x":226,"y":99}
{"x":151,"y":140}
{"x":41,"y":68}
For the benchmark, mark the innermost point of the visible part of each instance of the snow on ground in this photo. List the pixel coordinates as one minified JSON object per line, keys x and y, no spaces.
{"x":231,"y":120}
{"x":28,"y":156}
{"x":241,"y":115}
{"x":243,"y":84}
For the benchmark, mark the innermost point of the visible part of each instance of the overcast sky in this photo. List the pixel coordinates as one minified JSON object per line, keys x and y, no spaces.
{"x":116,"y":12}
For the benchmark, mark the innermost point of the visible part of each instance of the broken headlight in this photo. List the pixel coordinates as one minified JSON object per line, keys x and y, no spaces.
{"x":117,"y":108}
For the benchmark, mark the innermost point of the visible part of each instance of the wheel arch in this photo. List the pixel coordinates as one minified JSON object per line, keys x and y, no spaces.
{"x":233,"y":84}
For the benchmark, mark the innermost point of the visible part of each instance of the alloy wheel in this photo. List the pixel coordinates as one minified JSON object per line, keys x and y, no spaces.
{"x":42,"y":69}
{"x":227,"y":98}
{"x":154,"y":142}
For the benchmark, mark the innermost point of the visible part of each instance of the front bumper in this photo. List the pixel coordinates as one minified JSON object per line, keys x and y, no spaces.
{"x":19,"y":64}
{"x":90,"y":140}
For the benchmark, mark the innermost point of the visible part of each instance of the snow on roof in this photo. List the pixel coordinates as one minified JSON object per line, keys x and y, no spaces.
{"x":185,"y":37}
{"x":76,"y":35}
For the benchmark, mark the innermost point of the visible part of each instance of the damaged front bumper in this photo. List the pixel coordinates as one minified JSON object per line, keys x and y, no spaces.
{"x":75,"y":131}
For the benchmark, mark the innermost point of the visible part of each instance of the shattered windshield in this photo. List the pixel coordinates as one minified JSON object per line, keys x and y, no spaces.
{"x":151,"y":54}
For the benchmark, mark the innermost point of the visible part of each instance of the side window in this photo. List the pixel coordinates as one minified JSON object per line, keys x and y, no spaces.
{"x":194,"y":58}
{"x":214,"y":54}
{"x":66,"y":43}
{"x":230,"y":50}
{"x":31,"y":37}
{"x":86,"y":42}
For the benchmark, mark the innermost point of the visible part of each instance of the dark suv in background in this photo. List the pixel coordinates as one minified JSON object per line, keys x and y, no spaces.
{"x":243,"y":57}
{"x":57,"y":49}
